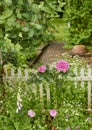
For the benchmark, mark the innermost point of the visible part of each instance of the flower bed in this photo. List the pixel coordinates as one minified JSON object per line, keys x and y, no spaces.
{"x":26,"y":108}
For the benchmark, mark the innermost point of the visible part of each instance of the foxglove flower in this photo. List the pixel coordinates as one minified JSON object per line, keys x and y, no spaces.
{"x":19,"y":102}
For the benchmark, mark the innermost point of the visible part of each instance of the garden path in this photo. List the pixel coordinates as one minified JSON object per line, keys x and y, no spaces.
{"x":53,"y":53}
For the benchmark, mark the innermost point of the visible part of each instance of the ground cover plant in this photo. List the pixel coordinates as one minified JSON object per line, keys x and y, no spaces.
{"x":24,"y":108}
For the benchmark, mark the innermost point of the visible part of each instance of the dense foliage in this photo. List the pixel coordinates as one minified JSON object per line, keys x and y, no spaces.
{"x":24,"y":26}
{"x":78,"y":14}
{"x":26,"y":107}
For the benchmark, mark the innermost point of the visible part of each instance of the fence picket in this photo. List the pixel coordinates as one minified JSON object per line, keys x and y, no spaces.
{"x":6,"y":73}
{"x":76,"y":73}
{"x":48,"y":95}
{"x":34,"y":88}
{"x":11,"y":74}
{"x":41,"y":95}
{"x":89,"y":95}
{"x":26,"y":75}
{"x":89,"y":90}
{"x":82,"y":75}
{"x":20,"y":73}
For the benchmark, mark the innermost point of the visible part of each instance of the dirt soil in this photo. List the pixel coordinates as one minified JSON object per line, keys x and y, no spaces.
{"x":54,"y":53}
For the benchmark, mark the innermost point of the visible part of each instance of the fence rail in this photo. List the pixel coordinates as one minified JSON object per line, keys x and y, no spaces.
{"x":81,"y":75}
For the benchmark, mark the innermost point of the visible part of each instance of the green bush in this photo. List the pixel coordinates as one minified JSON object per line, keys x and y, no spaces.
{"x":78,"y":14}
{"x":26,"y":23}
{"x":69,"y":102}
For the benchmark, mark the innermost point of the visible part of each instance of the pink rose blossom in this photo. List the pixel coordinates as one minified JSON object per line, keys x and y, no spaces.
{"x":42,"y":69}
{"x":31,"y":113}
{"x":68,"y":128}
{"x":53,"y":113}
{"x":62,"y":66}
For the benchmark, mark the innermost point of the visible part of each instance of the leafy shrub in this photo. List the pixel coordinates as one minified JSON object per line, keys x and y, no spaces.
{"x":78,"y":14}
{"x":26,"y":23}
{"x":11,"y":53}
{"x":25,"y":108}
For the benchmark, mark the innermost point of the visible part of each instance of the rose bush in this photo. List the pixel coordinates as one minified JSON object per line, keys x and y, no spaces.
{"x":62,"y":66}
{"x":31,"y":113}
{"x":53,"y":113}
{"x":64,"y":108}
{"x":42,"y":69}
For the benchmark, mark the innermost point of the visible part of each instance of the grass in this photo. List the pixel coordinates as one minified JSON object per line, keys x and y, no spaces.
{"x":60,"y":27}
{"x":61,"y":32}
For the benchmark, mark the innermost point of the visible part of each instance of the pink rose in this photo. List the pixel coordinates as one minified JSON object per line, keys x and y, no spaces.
{"x":53,"y":113}
{"x":68,"y":128}
{"x":42,"y":69}
{"x":31,"y":113}
{"x":62,"y":66}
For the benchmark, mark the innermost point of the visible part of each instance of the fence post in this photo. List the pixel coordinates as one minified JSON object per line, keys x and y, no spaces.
{"x":82,"y":75}
{"x":41,"y":95}
{"x":76,"y":73}
{"x":48,"y":95}
{"x":89,"y":91}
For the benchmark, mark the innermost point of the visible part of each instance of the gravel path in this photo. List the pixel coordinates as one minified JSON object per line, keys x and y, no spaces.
{"x":52,"y":53}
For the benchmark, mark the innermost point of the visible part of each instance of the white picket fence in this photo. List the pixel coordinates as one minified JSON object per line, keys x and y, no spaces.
{"x":82,"y":75}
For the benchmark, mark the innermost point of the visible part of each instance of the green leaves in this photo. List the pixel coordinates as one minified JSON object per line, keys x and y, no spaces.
{"x":31,"y":33}
{"x":25,"y":120}
{"x":79,"y":15}
{"x":7,"y":13}
{"x":35,"y":8}
{"x":10,"y":127}
{"x":52,"y":92}
{"x":11,"y":20}
{"x":25,"y":23}
{"x":20,"y":2}
{"x":8,"y":2}
{"x":25,"y":29}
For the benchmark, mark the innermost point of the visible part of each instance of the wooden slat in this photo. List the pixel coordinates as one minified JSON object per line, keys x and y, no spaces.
{"x":20,"y":73}
{"x":89,"y":95}
{"x":48,"y":95}
{"x":12,"y":73}
{"x":76,"y":73}
{"x":89,"y":90}
{"x":26,"y":75}
{"x":34,"y":88}
{"x":82,"y":77}
{"x":41,"y":95}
